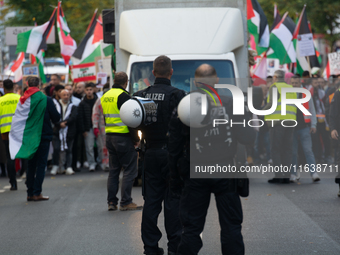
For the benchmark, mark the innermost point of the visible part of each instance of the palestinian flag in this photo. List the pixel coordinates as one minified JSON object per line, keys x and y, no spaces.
{"x":277,"y":18}
{"x":92,"y":45}
{"x":281,"y":46}
{"x":67,"y":44}
{"x":35,"y":39}
{"x":16,"y":68}
{"x":315,"y":60}
{"x":39,"y":59}
{"x":318,"y":56}
{"x":260,"y":74}
{"x":93,"y":19}
{"x":258,"y":25}
{"x":301,"y":29}
{"x":327,"y":71}
{"x":27,"y":123}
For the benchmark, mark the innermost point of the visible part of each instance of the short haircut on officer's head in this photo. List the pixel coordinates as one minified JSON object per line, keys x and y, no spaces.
{"x":120,"y":78}
{"x":8,"y":84}
{"x":33,"y":81}
{"x":205,"y":71}
{"x":162,"y":66}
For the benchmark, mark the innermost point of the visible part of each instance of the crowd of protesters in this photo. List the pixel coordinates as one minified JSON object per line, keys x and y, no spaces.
{"x":79,"y":137}
{"x":312,"y":142}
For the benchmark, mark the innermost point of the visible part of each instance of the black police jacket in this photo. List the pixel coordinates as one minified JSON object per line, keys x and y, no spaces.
{"x":334,"y":113}
{"x":167,"y":98}
{"x":208,"y":145}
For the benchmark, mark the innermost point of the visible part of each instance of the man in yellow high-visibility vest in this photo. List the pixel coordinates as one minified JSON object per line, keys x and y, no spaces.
{"x":120,"y":142}
{"x":281,"y":136}
{"x":8,"y":104}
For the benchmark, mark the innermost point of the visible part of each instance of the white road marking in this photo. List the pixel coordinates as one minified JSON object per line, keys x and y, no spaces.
{"x":7,"y":187}
{"x":2,"y":190}
{"x":19,"y":180}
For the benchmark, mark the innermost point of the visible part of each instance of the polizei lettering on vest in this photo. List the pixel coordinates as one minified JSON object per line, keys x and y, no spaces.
{"x":238,"y":100}
{"x":155,"y":96}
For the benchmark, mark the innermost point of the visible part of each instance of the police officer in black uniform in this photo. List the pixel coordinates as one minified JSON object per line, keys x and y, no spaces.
{"x":208,"y":146}
{"x":156,"y":171}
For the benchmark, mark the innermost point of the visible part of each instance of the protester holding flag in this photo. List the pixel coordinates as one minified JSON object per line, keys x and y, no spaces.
{"x":31,"y":134}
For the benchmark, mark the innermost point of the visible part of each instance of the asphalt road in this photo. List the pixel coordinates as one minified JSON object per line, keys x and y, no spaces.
{"x":278,"y":219}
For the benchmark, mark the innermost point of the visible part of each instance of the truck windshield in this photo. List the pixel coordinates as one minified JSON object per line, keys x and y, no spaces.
{"x":184,"y":70}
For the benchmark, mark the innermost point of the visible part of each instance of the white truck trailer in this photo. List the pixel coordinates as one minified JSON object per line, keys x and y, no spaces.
{"x":189,"y":32}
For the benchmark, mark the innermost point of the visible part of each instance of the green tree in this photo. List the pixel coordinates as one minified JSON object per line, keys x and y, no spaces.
{"x":323,"y":14}
{"x":78,"y":14}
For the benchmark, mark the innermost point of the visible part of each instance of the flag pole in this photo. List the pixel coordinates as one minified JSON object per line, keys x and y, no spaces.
{"x":310,"y":71}
{"x":284,"y":59}
{"x":66,"y":76}
{"x":257,"y":66}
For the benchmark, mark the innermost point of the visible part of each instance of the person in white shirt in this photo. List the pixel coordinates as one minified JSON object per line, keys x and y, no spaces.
{"x":66,"y":131}
{"x":74,"y":99}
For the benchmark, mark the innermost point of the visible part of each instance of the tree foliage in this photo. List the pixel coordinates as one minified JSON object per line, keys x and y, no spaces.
{"x":78,"y":14}
{"x":323,"y":14}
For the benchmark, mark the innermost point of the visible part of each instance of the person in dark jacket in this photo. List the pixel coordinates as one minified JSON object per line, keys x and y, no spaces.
{"x":55,"y":140}
{"x":208,"y":146}
{"x":156,"y":171}
{"x":37,"y":164}
{"x":55,"y":80}
{"x":85,"y":123}
{"x":334,"y":124}
{"x":65,"y":131}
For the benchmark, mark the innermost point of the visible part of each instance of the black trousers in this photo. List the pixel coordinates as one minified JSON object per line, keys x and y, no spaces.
{"x":10,"y":166}
{"x":337,"y":162}
{"x":193,"y":211}
{"x":156,"y":190}
{"x":281,"y":146}
{"x":321,"y":134}
{"x":75,"y":152}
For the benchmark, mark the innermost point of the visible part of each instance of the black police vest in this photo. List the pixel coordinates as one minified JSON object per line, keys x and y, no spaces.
{"x":163,"y":96}
{"x":214,"y":144}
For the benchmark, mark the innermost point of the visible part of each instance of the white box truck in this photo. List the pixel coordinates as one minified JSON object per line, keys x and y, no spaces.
{"x":189,"y":32}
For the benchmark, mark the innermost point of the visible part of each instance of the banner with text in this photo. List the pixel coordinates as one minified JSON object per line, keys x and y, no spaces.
{"x":334,"y":63}
{"x":84,"y":72}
